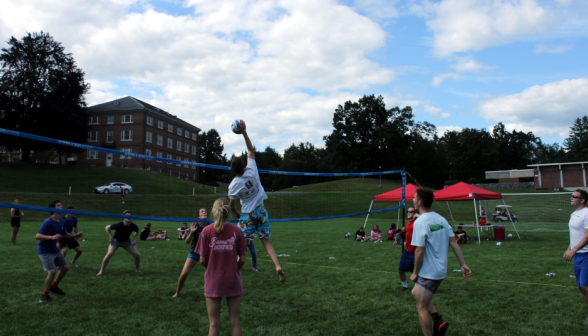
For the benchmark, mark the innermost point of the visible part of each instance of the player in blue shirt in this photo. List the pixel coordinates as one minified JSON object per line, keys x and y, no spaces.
{"x":70,"y":223}
{"x":52,"y":230}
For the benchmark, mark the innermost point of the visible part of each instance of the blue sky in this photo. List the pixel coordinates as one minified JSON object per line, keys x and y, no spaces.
{"x":284,"y":66}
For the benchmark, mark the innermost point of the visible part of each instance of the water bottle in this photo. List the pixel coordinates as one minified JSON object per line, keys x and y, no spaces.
{"x":572,"y":276}
{"x":551,"y":274}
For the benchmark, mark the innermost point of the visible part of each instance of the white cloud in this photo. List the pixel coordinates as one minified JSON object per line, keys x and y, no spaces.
{"x":468,"y":64}
{"x":466,"y":25}
{"x":546,"y":110}
{"x":436,"y":112}
{"x":552,"y":49}
{"x":377,"y":9}
{"x":437,"y":80}
{"x":441,"y":130}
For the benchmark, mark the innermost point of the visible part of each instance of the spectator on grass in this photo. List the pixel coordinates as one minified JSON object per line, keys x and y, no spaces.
{"x":392,"y":231}
{"x":460,"y":235}
{"x":483,"y":212}
{"x":50,"y":231}
{"x":360,"y":235}
{"x":146,"y":233}
{"x":578,"y":249}
{"x":376,"y":234}
{"x":162,"y":234}
{"x":193,"y":257}
{"x":399,"y":238}
{"x":70,"y":223}
{"x":183,"y":231}
{"x":122,"y":239}
{"x":219,"y":246}
{"x":15,"y":216}
{"x":406,"y":263}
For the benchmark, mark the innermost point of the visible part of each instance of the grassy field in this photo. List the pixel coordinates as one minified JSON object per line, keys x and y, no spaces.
{"x":355,"y":293}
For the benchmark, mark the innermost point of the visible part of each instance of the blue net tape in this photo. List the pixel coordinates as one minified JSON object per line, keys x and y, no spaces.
{"x":174,"y":219}
{"x":197,"y":164}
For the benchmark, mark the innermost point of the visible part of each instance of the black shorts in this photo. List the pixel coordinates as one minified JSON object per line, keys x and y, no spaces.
{"x":71,"y":243}
{"x":15,"y":224}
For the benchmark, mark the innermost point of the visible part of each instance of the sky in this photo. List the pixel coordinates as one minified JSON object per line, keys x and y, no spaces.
{"x":285,"y":66}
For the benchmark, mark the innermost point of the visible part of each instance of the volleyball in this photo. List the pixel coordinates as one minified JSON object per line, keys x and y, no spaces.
{"x":235,"y":127}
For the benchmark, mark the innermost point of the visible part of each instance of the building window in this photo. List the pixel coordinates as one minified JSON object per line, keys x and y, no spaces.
{"x":170,"y":143}
{"x":160,"y":170}
{"x":193,"y":149}
{"x":179,"y":131}
{"x":126,"y":136}
{"x":194,"y":167}
{"x":179,"y":174}
{"x":148,"y":167}
{"x":125,"y":166}
{"x":111,"y":119}
{"x":194,"y":136}
{"x":148,"y":152}
{"x":187,"y":148}
{"x":179,"y":158}
{"x":149,"y":137}
{"x":126,"y":150}
{"x":170,"y":128}
{"x":179,"y":146}
{"x":92,"y":155}
{"x":93,"y":136}
{"x":169,"y":156}
{"x":150,"y":121}
{"x":109,"y":136}
{"x":159,"y":154}
{"x":127,"y":119}
{"x":187,"y":134}
{"x":160,"y":140}
{"x":159,"y":124}
{"x":94,"y":120}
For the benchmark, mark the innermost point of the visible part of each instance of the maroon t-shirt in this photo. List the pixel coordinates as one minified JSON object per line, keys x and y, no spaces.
{"x":222,"y":277}
{"x":408,"y":232}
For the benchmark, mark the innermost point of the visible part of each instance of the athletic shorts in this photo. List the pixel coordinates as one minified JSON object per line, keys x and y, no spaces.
{"x":429,"y":284}
{"x":581,"y":269}
{"x":15,"y":224}
{"x":406,"y":263}
{"x":194,"y":256}
{"x":71,"y":243}
{"x":50,"y":261}
{"x":256,"y":221}
{"x":125,"y":244}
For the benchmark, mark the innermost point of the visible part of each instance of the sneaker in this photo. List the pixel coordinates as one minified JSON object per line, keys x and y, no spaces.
{"x":45,"y":299}
{"x":440,"y":327}
{"x":57,"y":291}
{"x":404,"y":289}
{"x":74,"y":264}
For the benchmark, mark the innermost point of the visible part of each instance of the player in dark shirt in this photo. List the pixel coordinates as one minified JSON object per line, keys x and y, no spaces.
{"x":146,"y":233}
{"x":15,"y":215}
{"x":70,"y":223}
{"x":122,"y":239}
{"x":193,"y":258}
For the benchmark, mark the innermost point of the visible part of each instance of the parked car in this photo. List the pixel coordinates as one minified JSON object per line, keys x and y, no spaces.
{"x":113,"y":188}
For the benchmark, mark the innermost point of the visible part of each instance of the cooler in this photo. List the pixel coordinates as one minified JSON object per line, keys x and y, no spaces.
{"x":482,"y":220}
{"x":499,"y":232}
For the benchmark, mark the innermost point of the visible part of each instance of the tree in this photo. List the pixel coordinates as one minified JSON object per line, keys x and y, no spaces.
{"x":44,"y":95}
{"x":516,"y":150}
{"x":577,"y":143}
{"x":469,"y":153}
{"x":211,"y":152}
{"x":547,"y":153}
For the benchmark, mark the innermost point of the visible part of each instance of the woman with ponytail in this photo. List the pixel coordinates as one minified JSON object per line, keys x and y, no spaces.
{"x":222,"y":250}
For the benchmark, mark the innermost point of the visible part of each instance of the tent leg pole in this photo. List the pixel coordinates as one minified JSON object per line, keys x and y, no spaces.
{"x":398,"y":220}
{"x":509,"y":217}
{"x":477,"y":224}
{"x":366,"y":217}
{"x":450,"y":214}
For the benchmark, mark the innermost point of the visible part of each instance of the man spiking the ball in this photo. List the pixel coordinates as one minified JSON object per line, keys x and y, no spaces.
{"x":247,"y":187}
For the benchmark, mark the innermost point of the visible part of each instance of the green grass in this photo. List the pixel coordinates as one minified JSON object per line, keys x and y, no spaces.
{"x":355,"y":293}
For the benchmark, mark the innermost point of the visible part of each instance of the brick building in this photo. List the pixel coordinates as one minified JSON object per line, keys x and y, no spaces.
{"x":560,"y":176}
{"x":131,"y":125}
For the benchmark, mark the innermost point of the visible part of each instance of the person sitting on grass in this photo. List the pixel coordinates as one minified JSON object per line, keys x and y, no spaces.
{"x":399,"y":238}
{"x":162,"y":234}
{"x":392,"y":231}
{"x":183,"y":232}
{"x":222,"y":250}
{"x":360,"y":235}
{"x":460,"y":235}
{"x":376,"y":234}
{"x":146,"y":233}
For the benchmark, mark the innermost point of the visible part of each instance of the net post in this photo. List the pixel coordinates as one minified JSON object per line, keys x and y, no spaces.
{"x":193,"y":191}
{"x":69,"y":190}
{"x":366,"y":217}
{"x":403,"y":205}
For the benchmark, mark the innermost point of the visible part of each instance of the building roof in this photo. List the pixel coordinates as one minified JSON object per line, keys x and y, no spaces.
{"x":558,"y":164}
{"x":129,"y":103}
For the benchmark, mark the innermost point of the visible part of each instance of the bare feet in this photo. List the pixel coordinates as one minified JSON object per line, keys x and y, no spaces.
{"x":137,"y":271}
{"x":99,"y":274}
{"x":281,"y":275}
{"x":176,"y":295}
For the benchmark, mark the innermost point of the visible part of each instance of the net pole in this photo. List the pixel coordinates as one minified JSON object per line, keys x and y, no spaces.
{"x":403,"y":207}
{"x":366,"y":217}
{"x":509,"y":217}
{"x":398,"y":219}
{"x":476,"y":221}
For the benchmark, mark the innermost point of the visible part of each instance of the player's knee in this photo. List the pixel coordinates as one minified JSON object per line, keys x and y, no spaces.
{"x":584,"y":289}
{"x":52,"y":272}
{"x":64,"y":268}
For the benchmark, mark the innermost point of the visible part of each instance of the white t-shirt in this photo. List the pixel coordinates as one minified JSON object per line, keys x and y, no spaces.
{"x":432,"y":231}
{"x":578,"y":225}
{"x":248,"y":188}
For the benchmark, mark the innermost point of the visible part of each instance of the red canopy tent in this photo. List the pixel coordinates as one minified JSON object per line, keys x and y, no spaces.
{"x":464,"y":192}
{"x":394,"y":196}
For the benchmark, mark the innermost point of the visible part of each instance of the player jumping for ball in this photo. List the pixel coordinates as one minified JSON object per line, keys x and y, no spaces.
{"x":247,"y":187}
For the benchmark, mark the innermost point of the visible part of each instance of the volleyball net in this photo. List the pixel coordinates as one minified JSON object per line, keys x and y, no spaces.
{"x":167,"y":189}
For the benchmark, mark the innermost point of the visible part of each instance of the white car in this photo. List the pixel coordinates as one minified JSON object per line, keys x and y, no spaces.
{"x":113,"y":188}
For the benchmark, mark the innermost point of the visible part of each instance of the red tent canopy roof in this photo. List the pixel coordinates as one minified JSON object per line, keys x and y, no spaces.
{"x":396,"y":194}
{"x":465,"y":192}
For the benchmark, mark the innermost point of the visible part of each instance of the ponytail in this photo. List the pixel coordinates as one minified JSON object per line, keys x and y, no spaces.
{"x":220,"y":211}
